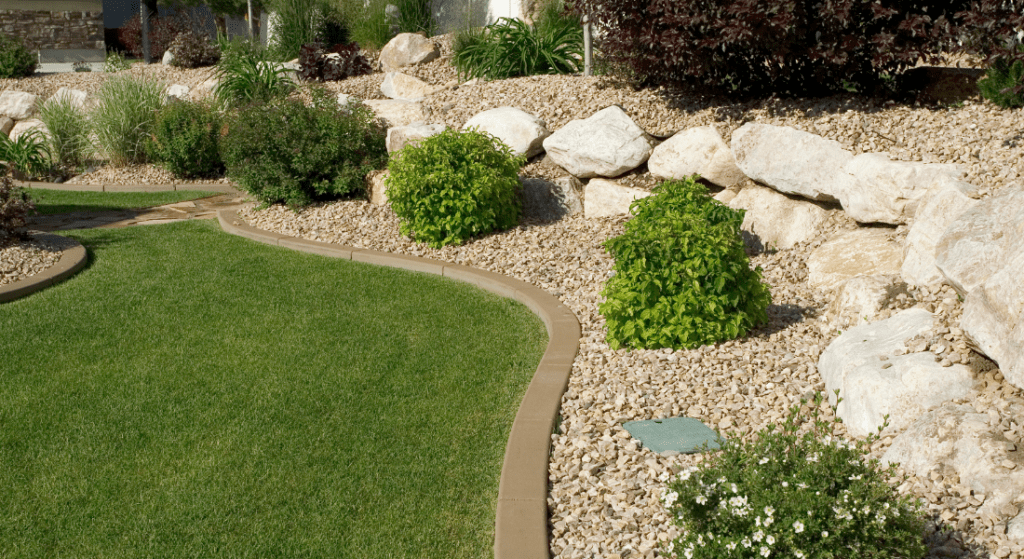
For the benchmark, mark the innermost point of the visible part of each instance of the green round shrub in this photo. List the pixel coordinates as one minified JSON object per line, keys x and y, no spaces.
{"x":454,"y":186}
{"x":16,"y":61}
{"x":682,"y":278}
{"x":185,"y":140}
{"x":1000,"y":81}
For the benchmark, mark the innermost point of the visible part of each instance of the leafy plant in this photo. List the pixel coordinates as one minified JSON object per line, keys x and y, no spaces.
{"x":81,"y":66}
{"x":124,"y":115}
{"x":340,"y":62}
{"x":298,"y":22}
{"x":186,"y":140}
{"x":682,"y":278}
{"x":292,"y":153}
{"x":755,"y":47}
{"x":250,"y":78}
{"x":15,"y":205}
{"x":799,"y":492}
{"x":115,"y":62}
{"x":68,"y":127}
{"x":414,"y":17}
{"x":369,"y":25}
{"x":192,"y":50}
{"x":162,"y":31}
{"x":16,"y":61}
{"x":1003,"y":83}
{"x":511,"y":48}
{"x":454,"y":186}
{"x":27,"y":153}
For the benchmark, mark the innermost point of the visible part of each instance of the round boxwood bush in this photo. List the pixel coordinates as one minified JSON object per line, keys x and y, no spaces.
{"x":185,"y":140}
{"x":16,"y":61}
{"x":454,"y":186}
{"x":682,"y":278}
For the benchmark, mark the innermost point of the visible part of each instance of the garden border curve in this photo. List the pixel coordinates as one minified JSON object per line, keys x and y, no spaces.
{"x":521,"y":523}
{"x":71,"y":261}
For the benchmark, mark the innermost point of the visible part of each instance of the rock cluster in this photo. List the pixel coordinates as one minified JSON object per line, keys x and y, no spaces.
{"x":23,"y":259}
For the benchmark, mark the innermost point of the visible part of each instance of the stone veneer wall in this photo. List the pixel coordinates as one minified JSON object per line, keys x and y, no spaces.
{"x":54,"y":30}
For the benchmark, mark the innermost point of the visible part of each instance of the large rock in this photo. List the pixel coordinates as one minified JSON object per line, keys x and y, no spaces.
{"x":884,"y":191}
{"x":939,"y":210}
{"x":6,"y":124}
{"x":792,"y":161}
{"x":168,"y":58}
{"x":412,"y":134}
{"x":604,"y":198}
{"x":76,"y":97}
{"x":407,"y":49}
{"x":377,"y":188}
{"x":873,"y":381}
{"x":993,"y":315}
{"x":974,"y":246}
{"x":176,"y":92}
{"x":956,"y":439}
{"x":863,"y":252}
{"x":551,"y":200}
{"x":396,"y":112}
{"x":859,"y":300}
{"x":518,"y":129}
{"x":699,"y":151}
{"x":18,"y":105}
{"x":606,"y":144}
{"x":25,"y":126}
{"x":397,"y":85}
{"x":775,"y":220}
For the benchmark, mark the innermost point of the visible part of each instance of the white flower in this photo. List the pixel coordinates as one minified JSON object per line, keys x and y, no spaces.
{"x":685,"y":474}
{"x":763,"y":460}
{"x":758,"y":536}
{"x":663,"y":477}
{"x":768,"y":521}
{"x":799,"y":554}
{"x":798,"y":526}
{"x":730,"y":546}
{"x":770,"y":540}
{"x":812,"y":457}
{"x":735,"y":489}
{"x":769,"y":510}
{"x":702,"y":500}
{"x":824,"y":534}
{"x":802,"y":485}
{"x":722,"y":480}
{"x":856,"y":477}
{"x":688,"y":552}
{"x":700,"y":540}
{"x":669,"y":498}
{"x":785,"y":484}
{"x":746,"y":542}
{"x":757,"y":521}
{"x":765,"y":552}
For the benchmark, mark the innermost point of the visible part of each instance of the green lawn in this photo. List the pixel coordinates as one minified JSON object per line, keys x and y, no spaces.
{"x":195,"y":394}
{"x":51,"y":201}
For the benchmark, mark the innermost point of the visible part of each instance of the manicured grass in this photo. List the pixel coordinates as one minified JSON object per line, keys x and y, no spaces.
{"x":195,"y":394}
{"x":49,"y":201}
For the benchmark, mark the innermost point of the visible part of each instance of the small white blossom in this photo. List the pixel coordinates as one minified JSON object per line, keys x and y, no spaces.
{"x":769,"y":510}
{"x":824,"y":534}
{"x":799,"y":554}
{"x":735,"y":489}
{"x":802,"y":485}
{"x":746,"y":542}
{"x":770,"y":540}
{"x":730,"y":546}
{"x":785,"y":484}
{"x":798,"y":526}
{"x":701,"y":500}
{"x":812,"y":457}
{"x":763,"y":460}
{"x":765,"y":552}
{"x":856,"y":477}
{"x":758,"y":536}
{"x":768,"y":521}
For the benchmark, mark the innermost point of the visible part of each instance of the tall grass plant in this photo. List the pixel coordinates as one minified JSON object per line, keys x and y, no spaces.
{"x":68,"y":126}
{"x":124,"y":117}
{"x":512,"y":48}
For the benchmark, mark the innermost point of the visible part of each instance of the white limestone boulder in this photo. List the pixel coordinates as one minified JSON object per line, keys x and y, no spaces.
{"x":518,"y":129}
{"x":993,"y":312}
{"x":26,"y":126}
{"x":859,"y":300}
{"x":885,"y":191}
{"x":551,"y":200}
{"x":396,"y":112}
{"x":941,"y":207}
{"x":377,"y":188}
{"x":6,"y":124}
{"x":18,"y":105}
{"x":975,"y":245}
{"x":862,"y":252}
{"x":75,"y":97}
{"x":411,"y":134}
{"x":958,"y":439}
{"x":407,"y":49}
{"x":168,"y":58}
{"x":874,"y":381}
{"x":606,"y":144}
{"x":605,"y":198}
{"x":176,"y":92}
{"x":700,"y":151}
{"x":792,"y":161}
{"x":774,"y":220}
{"x":397,"y":85}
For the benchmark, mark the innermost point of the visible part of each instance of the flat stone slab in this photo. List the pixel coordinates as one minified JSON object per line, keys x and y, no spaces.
{"x":685,"y":435}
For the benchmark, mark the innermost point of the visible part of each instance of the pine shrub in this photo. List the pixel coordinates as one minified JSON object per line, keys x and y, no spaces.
{"x":682,"y":278}
{"x":454,"y":186}
{"x":16,"y":61}
{"x":1003,"y":83}
{"x":186,"y":140}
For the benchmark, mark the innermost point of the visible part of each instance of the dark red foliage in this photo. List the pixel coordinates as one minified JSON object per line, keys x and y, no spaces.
{"x":162,"y":31}
{"x":338,"y":63}
{"x":756,"y":47}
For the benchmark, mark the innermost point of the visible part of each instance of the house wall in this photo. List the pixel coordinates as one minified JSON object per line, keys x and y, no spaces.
{"x":54,"y":30}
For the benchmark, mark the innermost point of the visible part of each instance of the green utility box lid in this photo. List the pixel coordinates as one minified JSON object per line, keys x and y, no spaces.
{"x":685,"y":435}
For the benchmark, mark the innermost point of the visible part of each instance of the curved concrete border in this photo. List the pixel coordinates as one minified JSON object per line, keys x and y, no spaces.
{"x":72,"y":260}
{"x":161,"y":187}
{"x":521,"y":525}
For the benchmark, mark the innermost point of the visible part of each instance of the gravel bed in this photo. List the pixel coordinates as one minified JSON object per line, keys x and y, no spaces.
{"x":21,"y":259}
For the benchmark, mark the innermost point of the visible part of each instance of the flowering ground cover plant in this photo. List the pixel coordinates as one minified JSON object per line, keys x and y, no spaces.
{"x":792,"y":492}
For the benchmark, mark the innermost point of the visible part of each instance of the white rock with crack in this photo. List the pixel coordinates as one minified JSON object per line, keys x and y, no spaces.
{"x":939,"y":210}
{"x":792,"y":161}
{"x":18,"y":105}
{"x":885,"y":191}
{"x":775,"y":220}
{"x":407,"y":49}
{"x":397,"y":85}
{"x":699,"y":151}
{"x":396,"y":112}
{"x":518,"y":129}
{"x":606,"y":144}
{"x":605,"y":198}
{"x":862,"y":252}
{"x":411,"y":134}
{"x":874,"y":381}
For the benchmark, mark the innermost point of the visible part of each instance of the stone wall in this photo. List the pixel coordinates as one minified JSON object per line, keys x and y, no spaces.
{"x":54,"y":30}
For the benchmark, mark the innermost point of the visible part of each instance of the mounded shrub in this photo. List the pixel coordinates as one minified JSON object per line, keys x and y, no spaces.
{"x":16,"y":61}
{"x":1003,"y":83}
{"x":796,"y":47}
{"x":337,"y":63}
{"x":682,"y":278}
{"x":292,"y":153}
{"x":454,"y":186}
{"x":186,"y":140}
{"x":15,"y":205}
{"x":192,"y":50}
{"x":162,"y":31}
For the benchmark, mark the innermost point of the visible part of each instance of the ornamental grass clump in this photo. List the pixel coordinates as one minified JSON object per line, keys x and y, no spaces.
{"x":511,"y":48}
{"x":796,"y":492}
{"x":454,"y":186}
{"x":124,"y":116}
{"x":68,"y":132}
{"x":682,"y":278}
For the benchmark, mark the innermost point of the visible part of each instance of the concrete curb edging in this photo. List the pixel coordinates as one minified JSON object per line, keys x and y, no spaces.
{"x":521,"y":524}
{"x":71,"y":261}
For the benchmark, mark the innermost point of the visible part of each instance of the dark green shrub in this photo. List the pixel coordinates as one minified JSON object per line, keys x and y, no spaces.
{"x":16,"y":61}
{"x":796,"y":47}
{"x":1002,"y":83}
{"x":15,"y":205}
{"x":340,"y":62}
{"x":186,"y":140}
{"x":192,"y":50}
{"x":292,"y":153}
{"x":511,"y":48}
{"x":796,"y":492}
{"x":682,"y":278}
{"x":454,"y":186}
